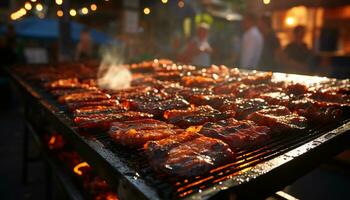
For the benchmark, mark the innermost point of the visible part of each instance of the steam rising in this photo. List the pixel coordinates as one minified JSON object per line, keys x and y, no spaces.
{"x":112,"y":73}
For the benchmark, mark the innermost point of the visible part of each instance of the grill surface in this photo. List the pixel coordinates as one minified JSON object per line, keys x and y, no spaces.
{"x":256,"y":172}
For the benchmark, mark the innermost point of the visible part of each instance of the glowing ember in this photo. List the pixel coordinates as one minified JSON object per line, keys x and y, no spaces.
{"x":77,"y":168}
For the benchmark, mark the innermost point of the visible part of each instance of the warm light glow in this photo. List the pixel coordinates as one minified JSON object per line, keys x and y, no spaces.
{"x":84,"y":11}
{"x":59,"y":13}
{"x":13,"y":16}
{"x":181,"y":4}
{"x":290,"y":21}
{"x":266,"y":2}
{"x":72,"y":12}
{"x":59,"y":2}
{"x":33,"y":0}
{"x":147,"y":11}
{"x":78,"y":166}
{"x":28,"y":6}
{"x":164,"y":1}
{"x":39,"y":7}
{"x":52,"y":140}
{"x":23,"y":11}
{"x":93,"y":7}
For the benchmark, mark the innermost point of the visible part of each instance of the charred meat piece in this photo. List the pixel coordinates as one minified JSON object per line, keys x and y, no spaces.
{"x":137,"y":133}
{"x":276,"y":98}
{"x":235,"y":133}
{"x":213,"y":100}
{"x":296,"y":89}
{"x":192,"y":158}
{"x":187,"y":93}
{"x":84,"y":96}
{"x":150,"y":66}
{"x":256,"y":78}
{"x":133,"y":92}
{"x":62,"y":92}
{"x":93,"y":110}
{"x":194,"y":116}
{"x":175,"y":67}
{"x":103,"y":121}
{"x":333,"y":86}
{"x":316,"y":111}
{"x":157,"y":150}
{"x":243,"y":107}
{"x":157,"y":108}
{"x":254,"y":91}
{"x":230,"y":88}
{"x":65,"y":84}
{"x":168,"y":76}
{"x":198,"y":81}
{"x":279,"y":119}
{"x":75,"y":105}
{"x":331,"y":99}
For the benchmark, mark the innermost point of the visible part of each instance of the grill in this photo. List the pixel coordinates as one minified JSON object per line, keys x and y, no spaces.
{"x":256,"y":172}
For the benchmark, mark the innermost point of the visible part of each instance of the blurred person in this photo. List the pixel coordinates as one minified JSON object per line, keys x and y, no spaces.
{"x":252,"y":43}
{"x":84,"y":50}
{"x":298,"y":55}
{"x":272,"y":48}
{"x":198,"y":50}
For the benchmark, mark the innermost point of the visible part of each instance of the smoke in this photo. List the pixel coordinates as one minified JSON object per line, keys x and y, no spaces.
{"x":113,"y":74}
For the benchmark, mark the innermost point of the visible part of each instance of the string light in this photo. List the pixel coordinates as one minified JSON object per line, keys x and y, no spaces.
{"x":72,"y":12}
{"x":147,"y":11}
{"x":28,"y":6}
{"x":59,"y":2}
{"x":266,"y":2}
{"x":84,"y":11}
{"x":39,"y":7}
{"x":59,"y":13}
{"x":33,"y":1}
{"x":93,"y":7}
{"x":164,"y":1}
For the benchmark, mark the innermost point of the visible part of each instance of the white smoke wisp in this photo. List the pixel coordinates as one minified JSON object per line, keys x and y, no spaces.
{"x":112,"y":73}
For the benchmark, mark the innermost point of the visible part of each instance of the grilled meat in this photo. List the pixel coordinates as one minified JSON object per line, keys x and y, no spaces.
{"x":316,"y":111}
{"x":66,"y":91}
{"x":235,"y":133}
{"x":255,"y":78}
{"x":279,"y":119}
{"x":194,"y":116}
{"x":84,"y":96}
{"x":137,"y":133}
{"x":68,"y":83}
{"x":195,"y":157}
{"x":213,"y":100}
{"x":276,"y":98}
{"x":157,"y":108}
{"x":103,"y":121}
{"x":76,"y":105}
{"x":93,"y":110}
{"x":243,"y":107}
{"x":198,"y":81}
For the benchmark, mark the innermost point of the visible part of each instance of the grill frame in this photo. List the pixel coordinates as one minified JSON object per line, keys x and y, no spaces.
{"x":41,"y":108}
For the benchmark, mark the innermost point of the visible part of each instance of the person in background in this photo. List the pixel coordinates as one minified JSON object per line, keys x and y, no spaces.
{"x":272,"y":48}
{"x":198,"y":50}
{"x":298,"y":55}
{"x":252,"y":43}
{"x":84,"y":50}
